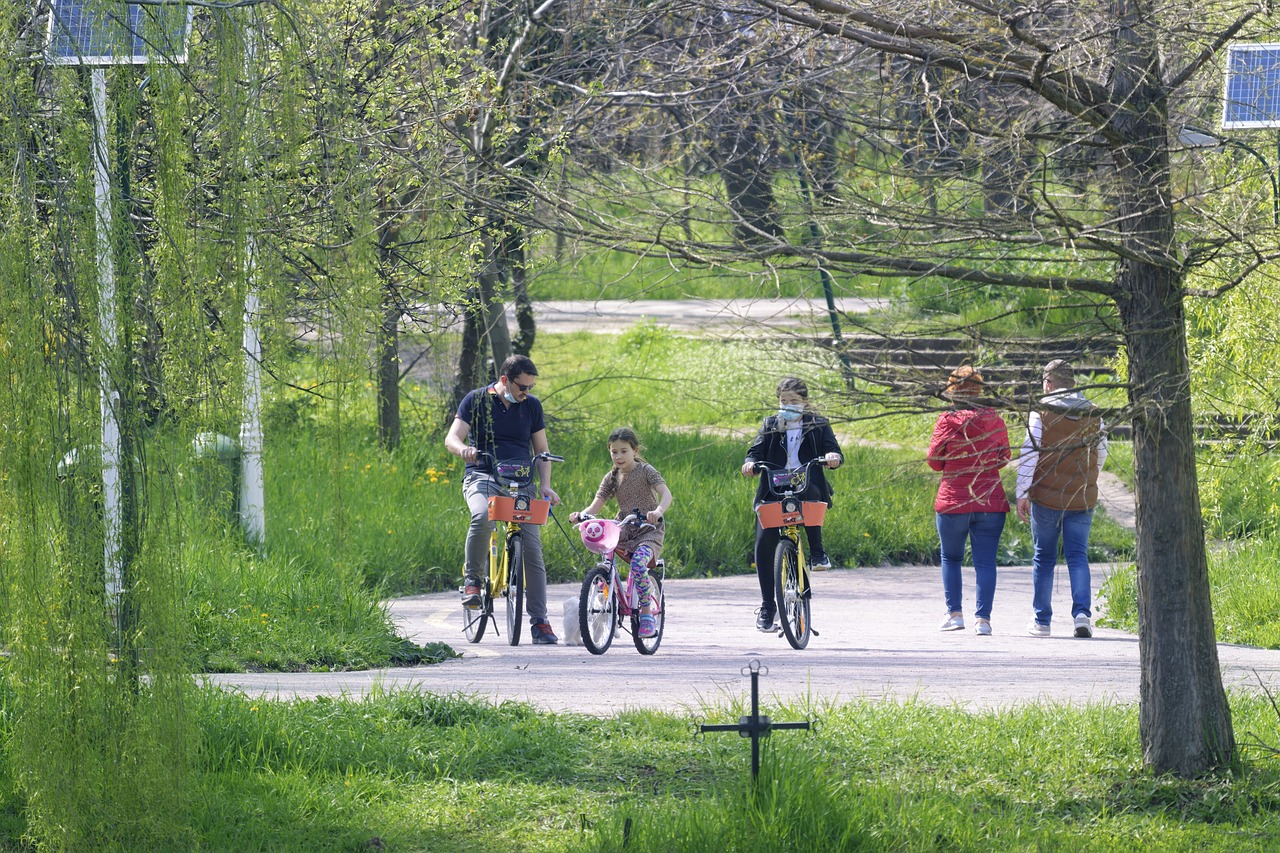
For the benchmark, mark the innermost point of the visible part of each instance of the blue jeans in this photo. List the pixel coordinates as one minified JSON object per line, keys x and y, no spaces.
{"x":1072,"y":526}
{"x":982,"y":530}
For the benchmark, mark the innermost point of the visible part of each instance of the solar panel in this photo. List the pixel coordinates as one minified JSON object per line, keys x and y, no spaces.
{"x":109,"y":32}
{"x":1252,"y":87}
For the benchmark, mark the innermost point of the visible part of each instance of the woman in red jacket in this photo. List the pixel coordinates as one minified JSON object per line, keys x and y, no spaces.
{"x":970,"y":445}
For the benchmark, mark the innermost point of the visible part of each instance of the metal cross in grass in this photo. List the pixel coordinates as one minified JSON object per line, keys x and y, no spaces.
{"x":756,"y":725}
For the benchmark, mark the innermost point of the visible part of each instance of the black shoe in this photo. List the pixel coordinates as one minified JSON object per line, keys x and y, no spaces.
{"x":470,"y":592}
{"x":542,"y":634}
{"x":765,"y":617}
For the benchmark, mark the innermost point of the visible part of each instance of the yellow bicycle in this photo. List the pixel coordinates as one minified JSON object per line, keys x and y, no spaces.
{"x":506,"y":580}
{"x":791,"y":587}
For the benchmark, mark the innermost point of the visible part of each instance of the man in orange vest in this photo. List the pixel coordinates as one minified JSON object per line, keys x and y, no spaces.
{"x":1057,"y":491}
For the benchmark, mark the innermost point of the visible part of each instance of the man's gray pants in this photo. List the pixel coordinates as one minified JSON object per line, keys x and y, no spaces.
{"x":477,"y":488}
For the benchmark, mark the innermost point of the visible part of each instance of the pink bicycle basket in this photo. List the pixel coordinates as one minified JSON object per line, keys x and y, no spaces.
{"x":599,"y":535}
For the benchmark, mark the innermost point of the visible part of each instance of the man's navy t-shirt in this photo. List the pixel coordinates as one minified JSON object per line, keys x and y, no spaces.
{"x":504,"y":431}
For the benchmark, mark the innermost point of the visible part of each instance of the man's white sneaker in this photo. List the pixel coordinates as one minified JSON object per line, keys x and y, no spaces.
{"x":953,"y":622}
{"x":1035,"y":629}
{"x":982,"y":627}
{"x":1084,"y":628}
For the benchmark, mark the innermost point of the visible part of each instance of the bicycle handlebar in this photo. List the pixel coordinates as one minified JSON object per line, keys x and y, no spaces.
{"x":760,"y":465}
{"x":635,"y":518}
{"x":544,"y":456}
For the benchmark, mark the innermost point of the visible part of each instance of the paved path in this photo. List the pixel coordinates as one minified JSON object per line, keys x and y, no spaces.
{"x":723,"y":316}
{"x":879,"y":639}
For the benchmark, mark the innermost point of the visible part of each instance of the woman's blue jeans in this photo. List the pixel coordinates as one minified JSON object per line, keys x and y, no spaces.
{"x":1072,"y":526}
{"x":982,"y":530}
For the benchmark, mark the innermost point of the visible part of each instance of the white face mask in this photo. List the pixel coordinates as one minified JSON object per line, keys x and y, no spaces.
{"x":508,"y":396}
{"x":790,"y":413}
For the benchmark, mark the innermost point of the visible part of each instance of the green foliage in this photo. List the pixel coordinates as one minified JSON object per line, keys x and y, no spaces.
{"x":1244,"y":589}
{"x":1240,"y":491}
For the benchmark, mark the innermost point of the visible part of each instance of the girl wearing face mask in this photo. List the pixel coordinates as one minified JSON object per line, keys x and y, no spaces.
{"x":792,"y":437}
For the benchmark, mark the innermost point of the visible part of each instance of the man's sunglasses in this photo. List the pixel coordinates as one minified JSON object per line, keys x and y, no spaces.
{"x":523,"y":387}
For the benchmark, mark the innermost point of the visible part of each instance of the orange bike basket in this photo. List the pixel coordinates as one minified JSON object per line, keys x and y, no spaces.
{"x":785,"y":513}
{"x":523,"y":510}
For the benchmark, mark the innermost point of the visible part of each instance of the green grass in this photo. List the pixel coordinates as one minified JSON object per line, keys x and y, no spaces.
{"x":605,"y":274}
{"x":440,"y":773}
{"x":1243,"y":587}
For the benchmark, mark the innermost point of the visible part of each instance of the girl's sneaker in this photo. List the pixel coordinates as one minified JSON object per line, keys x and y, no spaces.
{"x":648,"y":627}
{"x":953,"y":622}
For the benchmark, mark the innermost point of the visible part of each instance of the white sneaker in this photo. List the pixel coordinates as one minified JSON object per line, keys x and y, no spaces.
{"x":982,"y":627}
{"x":1084,"y":628}
{"x":953,"y":622}
{"x":1035,"y":629}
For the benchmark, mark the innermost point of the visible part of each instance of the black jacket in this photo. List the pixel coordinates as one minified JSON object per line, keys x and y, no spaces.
{"x":816,"y":439}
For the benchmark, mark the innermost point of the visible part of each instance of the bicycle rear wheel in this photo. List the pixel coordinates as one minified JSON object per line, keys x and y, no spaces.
{"x":515,"y":589}
{"x":649,"y":645}
{"x":791,"y":590}
{"x":597,"y":611}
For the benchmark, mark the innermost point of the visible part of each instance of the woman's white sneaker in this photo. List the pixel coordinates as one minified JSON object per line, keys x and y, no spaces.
{"x":982,"y":627}
{"x":953,"y":622}
{"x":1084,"y":628}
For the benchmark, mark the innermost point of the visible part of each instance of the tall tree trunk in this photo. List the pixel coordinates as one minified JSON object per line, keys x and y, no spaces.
{"x":493,"y":306}
{"x":745,"y":158}
{"x":469,"y":358}
{"x":514,"y":257}
{"x":388,"y":346}
{"x":1184,"y":719}
{"x":387,"y":334}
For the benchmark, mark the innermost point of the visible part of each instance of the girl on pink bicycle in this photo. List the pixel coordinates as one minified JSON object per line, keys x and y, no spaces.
{"x":635,"y":485}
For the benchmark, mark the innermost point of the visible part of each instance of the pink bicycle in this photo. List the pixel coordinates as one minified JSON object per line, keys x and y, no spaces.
{"x":608,"y":604}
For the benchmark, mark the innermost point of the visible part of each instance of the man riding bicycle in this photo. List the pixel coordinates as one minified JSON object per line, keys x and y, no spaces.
{"x":505,"y":421}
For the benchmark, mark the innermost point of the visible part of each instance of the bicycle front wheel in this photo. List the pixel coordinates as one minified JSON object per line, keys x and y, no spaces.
{"x":649,"y":645}
{"x":597,"y":611}
{"x":790,"y":588}
{"x":515,"y":589}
